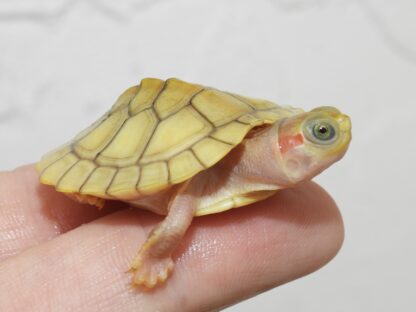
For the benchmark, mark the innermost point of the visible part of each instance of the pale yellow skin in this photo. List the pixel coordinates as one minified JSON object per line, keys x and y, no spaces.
{"x":182,"y":150}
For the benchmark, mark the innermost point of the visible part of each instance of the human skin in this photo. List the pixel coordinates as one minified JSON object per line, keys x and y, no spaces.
{"x":58,"y":255}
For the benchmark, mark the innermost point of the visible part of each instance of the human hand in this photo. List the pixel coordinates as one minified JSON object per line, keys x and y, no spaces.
{"x":58,"y":255}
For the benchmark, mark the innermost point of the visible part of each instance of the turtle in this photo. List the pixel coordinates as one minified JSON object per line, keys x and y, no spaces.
{"x":184,"y":150}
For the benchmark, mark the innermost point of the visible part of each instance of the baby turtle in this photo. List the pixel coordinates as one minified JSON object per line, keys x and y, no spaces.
{"x":184,"y":150}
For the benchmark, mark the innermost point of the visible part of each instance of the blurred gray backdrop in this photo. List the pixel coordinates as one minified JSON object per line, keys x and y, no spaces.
{"x":63,"y":63}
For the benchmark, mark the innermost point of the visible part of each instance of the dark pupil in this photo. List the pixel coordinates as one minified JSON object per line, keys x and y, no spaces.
{"x":323,"y":129}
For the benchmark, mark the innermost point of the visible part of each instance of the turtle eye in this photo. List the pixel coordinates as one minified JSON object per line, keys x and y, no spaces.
{"x":321,"y":132}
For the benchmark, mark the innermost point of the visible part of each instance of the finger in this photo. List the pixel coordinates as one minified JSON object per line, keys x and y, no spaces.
{"x":31,"y":213}
{"x":223,"y":259}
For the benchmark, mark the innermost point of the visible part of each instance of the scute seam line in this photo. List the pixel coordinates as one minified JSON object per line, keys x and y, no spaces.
{"x":149,"y":139}
{"x":104,"y":118}
{"x":66,"y":171}
{"x":197,"y":158}
{"x":243,"y":123}
{"x":86,"y":180}
{"x":155,"y":128}
{"x":224,"y":124}
{"x":241,"y":100}
{"x":113,"y":137}
{"x":177,"y":153}
{"x":129,"y":113}
{"x":109,"y":184}
{"x":56,"y":160}
{"x":222,"y":141}
{"x":202,"y":115}
{"x":153,"y":102}
{"x":168,"y":170}
{"x":165,"y":85}
{"x":186,"y":105}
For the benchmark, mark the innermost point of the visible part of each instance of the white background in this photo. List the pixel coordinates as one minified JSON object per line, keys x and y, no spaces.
{"x":63,"y":63}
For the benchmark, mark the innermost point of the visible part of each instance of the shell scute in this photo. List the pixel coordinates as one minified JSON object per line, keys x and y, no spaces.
{"x":208,"y":150}
{"x":176,"y":95}
{"x":258,"y":104}
{"x":124,"y":184}
{"x":267,"y":116}
{"x":183,"y":166}
{"x":52,"y":174}
{"x":125,"y":98}
{"x":98,"y":182}
{"x":97,"y":139}
{"x":129,"y":143}
{"x":149,"y":90}
{"x":251,"y":120}
{"x":232,"y":132}
{"x":51,"y":157}
{"x":219,"y":107}
{"x":170,"y":138}
{"x":154,"y":177}
{"x":75,"y":177}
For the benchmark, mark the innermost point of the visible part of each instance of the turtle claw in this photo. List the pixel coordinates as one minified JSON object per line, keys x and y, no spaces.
{"x":149,"y":271}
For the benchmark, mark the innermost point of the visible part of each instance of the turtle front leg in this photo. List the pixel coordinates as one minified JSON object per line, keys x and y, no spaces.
{"x":154,"y":263}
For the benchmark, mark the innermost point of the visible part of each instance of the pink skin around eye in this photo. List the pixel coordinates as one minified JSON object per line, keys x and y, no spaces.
{"x":287,"y":142}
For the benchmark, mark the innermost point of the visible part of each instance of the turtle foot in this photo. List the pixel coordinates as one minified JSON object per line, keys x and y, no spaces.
{"x":87,"y":199}
{"x":150,"y":271}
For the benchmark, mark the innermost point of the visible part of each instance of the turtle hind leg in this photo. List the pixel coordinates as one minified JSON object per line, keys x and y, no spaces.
{"x":87,"y":199}
{"x":154,"y":263}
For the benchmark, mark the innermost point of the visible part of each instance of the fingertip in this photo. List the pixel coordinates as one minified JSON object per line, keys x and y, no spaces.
{"x":318,"y":234}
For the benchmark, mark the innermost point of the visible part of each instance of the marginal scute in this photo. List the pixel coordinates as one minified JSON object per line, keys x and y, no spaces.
{"x":251,"y":120}
{"x":125,"y":182}
{"x":267,"y":116}
{"x":183,"y":167}
{"x":217,"y":207}
{"x":73,"y":179}
{"x":98,"y":181}
{"x":219,"y":107}
{"x":94,"y":142}
{"x":149,"y":90}
{"x":256,"y":103}
{"x":154,"y":177}
{"x":127,"y":146}
{"x":125,"y":98}
{"x":56,"y":170}
{"x":209,"y":151}
{"x":251,"y":197}
{"x":233,"y":132}
{"x":234,"y":202}
{"x":175,"y":134}
{"x":52,"y":156}
{"x":176,"y":95}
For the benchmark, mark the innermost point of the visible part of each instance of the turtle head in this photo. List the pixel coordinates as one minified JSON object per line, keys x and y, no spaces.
{"x":310,"y":142}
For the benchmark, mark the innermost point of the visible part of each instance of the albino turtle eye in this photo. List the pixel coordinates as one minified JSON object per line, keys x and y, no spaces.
{"x":321,"y":132}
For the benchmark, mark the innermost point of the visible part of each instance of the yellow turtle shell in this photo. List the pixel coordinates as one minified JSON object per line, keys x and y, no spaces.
{"x":157,"y":134}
